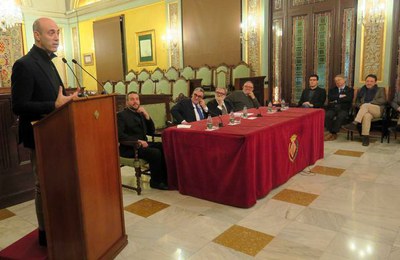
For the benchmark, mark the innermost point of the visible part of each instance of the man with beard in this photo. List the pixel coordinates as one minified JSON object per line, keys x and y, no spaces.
{"x":134,"y":124}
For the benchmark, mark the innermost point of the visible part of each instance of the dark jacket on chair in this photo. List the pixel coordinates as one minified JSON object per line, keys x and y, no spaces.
{"x":132,"y":126}
{"x":318,"y":99}
{"x":344,"y":103}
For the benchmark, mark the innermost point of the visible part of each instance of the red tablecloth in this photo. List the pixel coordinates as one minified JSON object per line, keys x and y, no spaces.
{"x":236,"y":165}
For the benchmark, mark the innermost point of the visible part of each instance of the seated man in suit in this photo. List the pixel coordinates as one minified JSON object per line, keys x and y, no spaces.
{"x":219,"y":105}
{"x":134,"y":124}
{"x":190,"y":110}
{"x":313,"y":96}
{"x":371,"y":101}
{"x":340,"y":99}
{"x":244,"y":97}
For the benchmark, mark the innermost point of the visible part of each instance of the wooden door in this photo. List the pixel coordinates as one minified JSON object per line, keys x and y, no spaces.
{"x":310,"y":36}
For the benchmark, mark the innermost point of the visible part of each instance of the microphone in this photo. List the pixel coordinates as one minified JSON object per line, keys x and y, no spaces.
{"x":73,"y":73}
{"x":103,"y":91}
{"x":259,"y":112}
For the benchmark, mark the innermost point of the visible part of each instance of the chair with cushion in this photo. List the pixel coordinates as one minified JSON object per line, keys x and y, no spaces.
{"x":109,"y":86}
{"x":148,"y":87}
{"x":163,"y":86}
{"x":205,"y":74}
{"x":180,"y":86}
{"x":221,"y":76}
{"x":172,"y":73}
{"x":157,"y":74}
{"x":120,"y":87}
{"x":131,"y":75}
{"x":143,"y":75}
{"x":133,"y":85}
{"x":242,"y":70}
{"x":188,"y":73}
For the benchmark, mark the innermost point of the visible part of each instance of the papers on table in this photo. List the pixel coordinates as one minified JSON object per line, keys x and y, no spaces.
{"x":183,"y":126}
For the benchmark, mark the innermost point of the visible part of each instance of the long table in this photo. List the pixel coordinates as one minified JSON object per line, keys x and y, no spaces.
{"x":236,"y":165}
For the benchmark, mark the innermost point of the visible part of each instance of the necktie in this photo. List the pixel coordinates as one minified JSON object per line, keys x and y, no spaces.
{"x":224,"y":111}
{"x":199,"y":112}
{"x":341,"y":90}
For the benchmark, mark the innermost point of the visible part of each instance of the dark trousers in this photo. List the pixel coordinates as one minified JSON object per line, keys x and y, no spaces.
{"x":334,"y":119}
{"x":154,"y":155}
{"x":38,"y":196}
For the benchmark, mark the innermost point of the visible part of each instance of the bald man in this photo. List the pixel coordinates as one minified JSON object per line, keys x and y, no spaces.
{"x":37,"y":90}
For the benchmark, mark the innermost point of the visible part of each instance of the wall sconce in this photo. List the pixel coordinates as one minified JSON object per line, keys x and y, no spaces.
{"x":373,"y":14}
{"x":248,"y":30}
{"x":170,"y":40}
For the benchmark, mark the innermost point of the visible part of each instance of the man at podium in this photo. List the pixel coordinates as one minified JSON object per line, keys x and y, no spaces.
{"x":37,"y":90}
{"x":134,"y":124}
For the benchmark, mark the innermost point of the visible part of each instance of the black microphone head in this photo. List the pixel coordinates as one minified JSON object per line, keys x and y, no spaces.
{"x":64,"y":60}
{"x":74,"y":61}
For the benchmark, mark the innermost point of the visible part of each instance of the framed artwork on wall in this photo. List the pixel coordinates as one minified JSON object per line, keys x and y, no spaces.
{"x":88,"y":59}
{"x":146,"y":48}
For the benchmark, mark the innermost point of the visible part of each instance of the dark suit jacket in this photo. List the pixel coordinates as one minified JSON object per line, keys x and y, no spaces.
{"x":132,"y":126}
{"x":318,"y":98}
{"x":34,"y":91}
{"x":184,"y":110}
{"x":215,"y":111}
{"x":344,"y":103}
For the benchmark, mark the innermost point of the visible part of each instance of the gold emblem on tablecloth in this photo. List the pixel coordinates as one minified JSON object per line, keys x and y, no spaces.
{"x":293,"y":147}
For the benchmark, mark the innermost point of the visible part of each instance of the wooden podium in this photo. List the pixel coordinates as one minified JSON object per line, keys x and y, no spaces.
{"x":79,"y":173}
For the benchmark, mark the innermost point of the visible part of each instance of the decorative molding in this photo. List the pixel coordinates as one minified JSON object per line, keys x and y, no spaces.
{"x":174,"y":25}
{"x":253,"y":47}
{"x":322,"y":47}
{"x":373,"y":48}
{"x":277,"y":5}
{"x":277,"y":27}
{"x":348,"y":44}
{"x":299,"y":52}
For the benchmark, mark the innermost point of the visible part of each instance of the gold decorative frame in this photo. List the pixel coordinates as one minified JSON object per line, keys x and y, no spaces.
{"x":146,"y":48}
{"x":88,"y":59}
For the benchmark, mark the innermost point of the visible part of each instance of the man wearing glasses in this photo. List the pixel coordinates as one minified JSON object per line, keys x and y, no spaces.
{"x":244,"y":97}
{"x":219,"y":105}
{"x":190,"y":110}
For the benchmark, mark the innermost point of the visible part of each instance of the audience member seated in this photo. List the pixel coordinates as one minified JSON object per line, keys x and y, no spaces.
{"x":371,"y":102}
{"x":340,"y":99}
{"x":134,"y":124}
{"x":219,"y":105}
{"x":190,"y":110}
{"x":244,"y":97}
{"x":313,"y":96}
{"x":395,"y":104}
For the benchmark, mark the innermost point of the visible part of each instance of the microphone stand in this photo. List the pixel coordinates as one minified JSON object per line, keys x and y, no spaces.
{"x":82,"y":94}
{"x":103,"y":89}
{"x":259,"y":112}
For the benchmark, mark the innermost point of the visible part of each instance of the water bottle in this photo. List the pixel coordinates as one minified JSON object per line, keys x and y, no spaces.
{"x":283,"y":104}
{"x":269,"y":107}
{"x":244,"y":112}
{"x":209,"y":122}
{"x":231,"y":117}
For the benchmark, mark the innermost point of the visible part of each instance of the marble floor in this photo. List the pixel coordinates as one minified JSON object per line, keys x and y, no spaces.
{"x":346,"y":206}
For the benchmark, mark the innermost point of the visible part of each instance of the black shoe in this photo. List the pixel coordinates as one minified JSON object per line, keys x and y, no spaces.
{"x":365,"y":140}
{"x":160,"y":186}
{"x":42,"y":238}
{"x":350,"y":127}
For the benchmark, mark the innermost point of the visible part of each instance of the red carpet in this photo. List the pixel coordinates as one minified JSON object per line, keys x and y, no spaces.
{"x":26,"y":248}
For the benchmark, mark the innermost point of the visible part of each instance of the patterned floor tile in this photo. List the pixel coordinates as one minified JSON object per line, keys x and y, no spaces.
{"x":349,"y":153}
{"x":5,"y":213}
{"x":330,"y":171}
{"x":146,"y":207}
{"x":295,"y":197}
{"x":244,"y":240}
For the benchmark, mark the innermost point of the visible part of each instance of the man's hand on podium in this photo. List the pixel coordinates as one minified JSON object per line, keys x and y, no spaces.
{"x":61,"y":99}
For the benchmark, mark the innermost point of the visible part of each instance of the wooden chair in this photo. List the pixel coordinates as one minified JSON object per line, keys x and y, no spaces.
{"x":221,"y":76}
{"x":138,"y":164}
{"x":163,"y":86}
{"x":157,"y":75}
{"x":393,"y":117}
{"x":143,"y":75}
{"x":188,"y":73}
{"x":131,"y":75}
{"x":242,"y":70}
{"x":180,"y":86}
{"x":133,"y":85}
{"x":205,"y":74}
{"x":148,"y":87}
{"x":120,"y":87}
{"x":172,"y":74}
{"x":108,"y":86}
